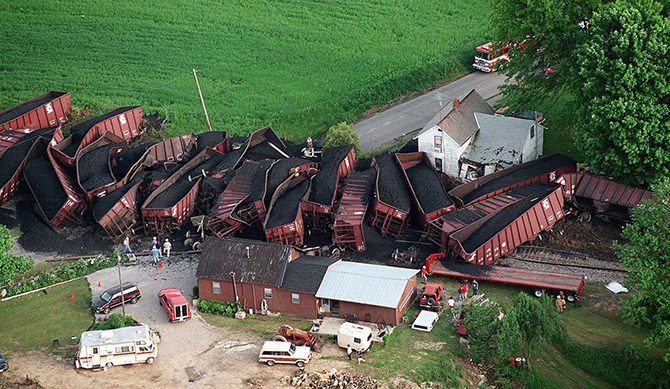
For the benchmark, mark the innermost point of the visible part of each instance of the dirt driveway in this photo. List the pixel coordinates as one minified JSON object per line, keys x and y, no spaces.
{"x":223,"y":357}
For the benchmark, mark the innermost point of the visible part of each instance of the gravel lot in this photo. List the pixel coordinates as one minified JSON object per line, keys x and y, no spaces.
{"x":223,"y":357}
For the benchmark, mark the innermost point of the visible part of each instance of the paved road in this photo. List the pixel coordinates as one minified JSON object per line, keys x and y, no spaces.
{"x":382,"y":129}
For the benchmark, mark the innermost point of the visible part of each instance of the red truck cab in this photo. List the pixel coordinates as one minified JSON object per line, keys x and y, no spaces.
{"x":486,"y":58}
{"x":175,"y":304}
{"x":431,"y":296}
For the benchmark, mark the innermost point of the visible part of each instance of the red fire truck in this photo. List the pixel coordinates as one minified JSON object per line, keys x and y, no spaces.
{"x":486,"y":58}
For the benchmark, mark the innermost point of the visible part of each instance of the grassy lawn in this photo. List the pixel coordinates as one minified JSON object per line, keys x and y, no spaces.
{"x":264,"y":326}
{"x":34,"y":321}
{"x":298,"y":66}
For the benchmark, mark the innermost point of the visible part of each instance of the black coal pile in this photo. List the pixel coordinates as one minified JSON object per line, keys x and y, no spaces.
{"x":324,"y":183}
{"x":279,"y":173}
{"x":392,"y":189}
{"x":124,"y":160}
{"x":428,"y":188}
{"x":209,"y":139}
{"x":264,"y":150}
{"x":533,"y":194}
{"x":45,"y":185}
{"x":93,"y":167}
{"x":285,"y":209}
{"x":105,"y":203}
{"x":11,"y":159}
{"x":530,"y":170}
{"x":259,"y":175}
{"x":410,"y":147}
{"x":22,"y":109}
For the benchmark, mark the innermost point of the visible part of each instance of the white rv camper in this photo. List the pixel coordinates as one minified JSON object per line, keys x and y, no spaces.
{"x":122,"y":346}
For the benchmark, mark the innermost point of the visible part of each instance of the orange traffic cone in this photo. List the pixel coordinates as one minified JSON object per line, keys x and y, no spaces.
{"x":156,"y":278}
{"x":71,"y":296}
{"x":99,"y":286}
{"x":160,"y":265}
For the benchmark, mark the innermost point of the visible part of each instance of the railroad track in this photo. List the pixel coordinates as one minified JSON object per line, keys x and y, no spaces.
{"x":137,"y":254}
{"x":555,"y":257}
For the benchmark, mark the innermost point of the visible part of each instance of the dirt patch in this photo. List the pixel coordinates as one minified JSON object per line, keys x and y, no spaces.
{"x":594,"y":238}
{"x":435,"y":346}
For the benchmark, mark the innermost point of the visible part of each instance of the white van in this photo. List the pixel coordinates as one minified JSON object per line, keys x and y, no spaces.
{"x":122,"y":346}
{"x":359,"y":337}
{"x":425,"y":321}
{"x":284,"y":352}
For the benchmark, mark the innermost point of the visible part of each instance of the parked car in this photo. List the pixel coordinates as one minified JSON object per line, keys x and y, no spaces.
{"x":175,"y":304}
{"x":431,"y":296}
{"x":111,"y":298}
{"x":4,"y":365}
{"x":358,"y":336}
{"x":284,"y":352}
{"x":425,"y":321}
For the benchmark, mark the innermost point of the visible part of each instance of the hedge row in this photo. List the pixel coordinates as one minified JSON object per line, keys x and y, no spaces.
{"x":225,"y":308}
{"x":64,"y":272}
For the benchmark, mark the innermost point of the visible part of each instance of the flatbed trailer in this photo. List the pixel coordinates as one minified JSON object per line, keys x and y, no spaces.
{"x":571,"y":284}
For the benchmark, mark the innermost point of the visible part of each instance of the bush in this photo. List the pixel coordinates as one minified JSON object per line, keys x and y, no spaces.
{"x":342,"y":134}
{"x":196,"y":292}
{"x":114,"y":321}
{"x":225,"y":308}
{"x":10,"y":264}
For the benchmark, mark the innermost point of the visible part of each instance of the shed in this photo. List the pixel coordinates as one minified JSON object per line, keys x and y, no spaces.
{"x":372,"y":292}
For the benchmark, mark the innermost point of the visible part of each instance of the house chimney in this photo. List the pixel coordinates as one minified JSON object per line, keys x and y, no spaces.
{"x":456,"y":103}
{"x":248,"y":255}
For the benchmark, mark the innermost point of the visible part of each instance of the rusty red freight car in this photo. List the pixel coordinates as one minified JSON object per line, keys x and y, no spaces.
{"x":336,"y":163}
{"x":94,"y":172}
{"x":117,"y":213}
{"x":58,"y":200}
{"x":223,"y":220}
{"x":425,"y":188}
{"x":173,"y":202}
{"x":252,"y":209}
{"x":392,"y":201}
{"x":440,"y":229}
{"x":14,"y":158}
{"x":283,"y":169}
{"x":602,"y":196}
{"x":217,"y":140}
{"x":124,"y":122}
{"x":545,"y":170}
{"x":492,"y":237}
{"x":47,"y":110}
{"x":353,"y":206}
{"x":284,"y":222}
{"x":263,"y":144}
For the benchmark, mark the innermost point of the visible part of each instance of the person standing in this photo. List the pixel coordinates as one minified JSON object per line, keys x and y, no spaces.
{"x":424,"y":277}
{"x":465,"y":290}
{"x":461,"y":297}
{"x":475,"y":287}
{"x":167,"y":246}
{"x":451,"y":303}
{"x":360,"y":357}
{"x":155,"y":253}
{"x":126,"y":245}
{"x":349,"y":351}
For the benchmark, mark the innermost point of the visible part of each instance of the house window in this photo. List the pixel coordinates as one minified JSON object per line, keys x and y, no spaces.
{"x":438,"y":164}
{"x":268,"y":293}
{"x":216,"y":287}
{"x":295,"y":298}
{"x":532,"y":132}
{"x":438,"y":142}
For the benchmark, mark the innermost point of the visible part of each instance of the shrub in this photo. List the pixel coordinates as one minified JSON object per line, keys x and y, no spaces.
{"x":196,"y":292}
{"x":342,"y":134}
{"x":225,"y":308}
{"x":115,"y":320}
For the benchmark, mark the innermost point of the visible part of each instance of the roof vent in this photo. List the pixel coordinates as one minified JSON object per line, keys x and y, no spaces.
{"x":456,"y":103}
{"x":247,"y":252}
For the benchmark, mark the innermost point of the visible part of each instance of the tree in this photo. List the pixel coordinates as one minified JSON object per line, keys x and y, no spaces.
{"x":623,"y":123}
{"x":342,"y":134}
{"x":10,"y":264}
{"x":647,"y":256}
{"x":543,"y":34}
{"x":536,"y":320}
{"x":488,"y":336}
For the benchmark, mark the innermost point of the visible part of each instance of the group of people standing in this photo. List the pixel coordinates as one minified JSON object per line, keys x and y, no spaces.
{"x":156,"y":250}
{"x":463,"y":290}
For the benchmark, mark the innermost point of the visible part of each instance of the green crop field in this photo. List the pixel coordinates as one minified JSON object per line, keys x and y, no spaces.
{"x":299,"y":66}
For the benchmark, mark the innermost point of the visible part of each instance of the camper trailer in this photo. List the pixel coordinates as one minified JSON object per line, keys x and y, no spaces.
{"x":357,"y":336}
{"x":122,"y":346}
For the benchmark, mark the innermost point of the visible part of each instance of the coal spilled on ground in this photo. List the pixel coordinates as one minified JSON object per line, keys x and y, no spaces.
{"x":392,"y":189}
{"x":93,"y":167}
{"x":528,"y":171}
{"x":46,"y":186}
{"x":428,"y":188}
{"x":38,"y":237}
{"x":533,"y":193}
{"x":209,"y":139}
{"x":279,"y":173}
{"x":264,"y":150}
{"x":105,"y":203}
{"x":324,"y":183}
{"x":22,"y":109}
{"x":285,"y":209}
{"x":124,"y":160}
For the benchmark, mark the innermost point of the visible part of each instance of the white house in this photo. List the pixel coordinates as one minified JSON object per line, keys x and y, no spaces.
{"x":467,"y":140}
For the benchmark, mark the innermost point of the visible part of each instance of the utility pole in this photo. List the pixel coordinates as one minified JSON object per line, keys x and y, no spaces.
{"x":209,"y":125}
{"x":118,"y":266}
{"x":237,"y":299}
